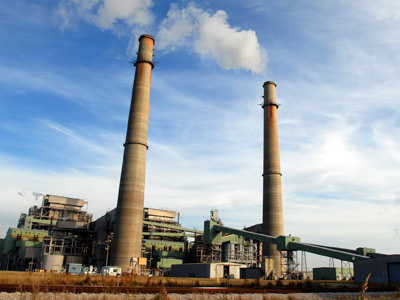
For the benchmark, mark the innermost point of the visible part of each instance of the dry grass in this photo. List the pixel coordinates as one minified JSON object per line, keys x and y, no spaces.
{"x":26,"y":278}
{"x":164,"y":296}
{"x":364,"y":288}
{"x":48,"y":279}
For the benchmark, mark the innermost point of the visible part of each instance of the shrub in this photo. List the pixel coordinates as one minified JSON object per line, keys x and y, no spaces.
{"x":299,"y":284}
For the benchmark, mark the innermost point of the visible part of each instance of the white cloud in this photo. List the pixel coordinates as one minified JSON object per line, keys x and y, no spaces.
{"x":106,"y":14}
{"x":68,"y":12}
{"x":211,"y":36}
{"x":129,"y":11}
{"x":362,"y":62}
{"x":382,"y":10}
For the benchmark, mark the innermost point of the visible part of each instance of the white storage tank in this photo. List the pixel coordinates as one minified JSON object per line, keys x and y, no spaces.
{"x":53,"y":262}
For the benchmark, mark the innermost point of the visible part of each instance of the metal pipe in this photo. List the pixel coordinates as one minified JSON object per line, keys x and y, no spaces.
{"x":272,"y":190}
{"x":129,"y":215}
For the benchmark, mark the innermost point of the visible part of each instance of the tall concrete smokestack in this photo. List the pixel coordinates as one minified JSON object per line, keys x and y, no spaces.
{"x":127,"y":242}
{"x":272,"y":190}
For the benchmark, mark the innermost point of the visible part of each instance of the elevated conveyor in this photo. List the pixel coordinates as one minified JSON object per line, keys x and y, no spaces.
{"x":213,"y":235}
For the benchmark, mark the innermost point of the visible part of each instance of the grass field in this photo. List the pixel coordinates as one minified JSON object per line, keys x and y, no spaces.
{"x":27,"y":278}
{"x":7,"y":277}
{"x":49,"y":279}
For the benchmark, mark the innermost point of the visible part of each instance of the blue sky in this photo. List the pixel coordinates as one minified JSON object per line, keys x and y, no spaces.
{"x":65,"y":86}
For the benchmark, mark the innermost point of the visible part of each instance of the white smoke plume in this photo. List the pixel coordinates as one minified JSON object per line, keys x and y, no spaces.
{"x":178,"y":28}
{"x":36,"y":195}
{"x":210,"y":35}
{"x":207,"y":34}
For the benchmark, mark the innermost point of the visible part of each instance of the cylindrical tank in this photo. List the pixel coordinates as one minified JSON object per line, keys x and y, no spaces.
{"x":272,"y":190}
{"x":53,"y":262}
{"x":129,"y":216}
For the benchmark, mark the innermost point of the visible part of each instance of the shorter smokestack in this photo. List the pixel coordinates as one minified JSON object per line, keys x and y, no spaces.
{"x":272,"y":189}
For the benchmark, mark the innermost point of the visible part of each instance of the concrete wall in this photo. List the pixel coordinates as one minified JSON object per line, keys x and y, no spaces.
{"x":234,"y":271}
{"x":222,"y":270}
{"x":217,"y":270}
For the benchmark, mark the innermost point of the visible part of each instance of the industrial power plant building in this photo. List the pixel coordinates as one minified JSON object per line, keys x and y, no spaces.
{"x":61,"y":233}
{"x":142,"y":240}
